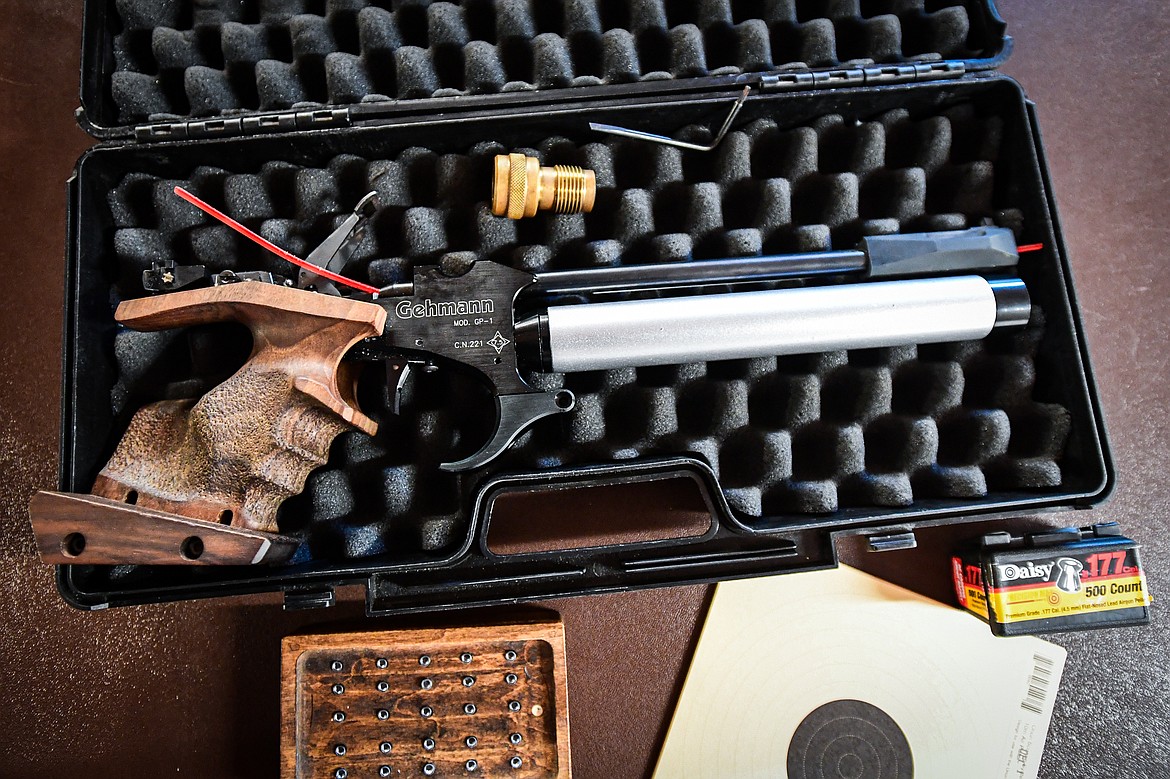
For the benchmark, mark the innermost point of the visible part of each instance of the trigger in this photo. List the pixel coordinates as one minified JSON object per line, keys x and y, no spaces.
{"x":514,"y":414}
{"x":398,"y":372}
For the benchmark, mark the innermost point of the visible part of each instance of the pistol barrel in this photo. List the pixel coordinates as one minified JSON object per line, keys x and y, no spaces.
{"x":700,"y":328}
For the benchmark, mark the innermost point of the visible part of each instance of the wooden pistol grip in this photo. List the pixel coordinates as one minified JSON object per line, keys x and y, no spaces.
{"x":234,"y":455}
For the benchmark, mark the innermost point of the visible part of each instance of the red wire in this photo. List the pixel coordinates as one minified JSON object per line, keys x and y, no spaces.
{"x":1030,"y":247}
{"x":270,"y":246}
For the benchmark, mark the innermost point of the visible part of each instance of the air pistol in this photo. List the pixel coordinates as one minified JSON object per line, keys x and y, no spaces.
{"x":207,"y":475}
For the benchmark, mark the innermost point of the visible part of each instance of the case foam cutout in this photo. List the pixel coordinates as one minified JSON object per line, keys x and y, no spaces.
{"x":790,"y":437}
{"x":175,"y":59}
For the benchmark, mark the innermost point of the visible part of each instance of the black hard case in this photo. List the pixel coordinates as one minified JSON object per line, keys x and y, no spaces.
{"x":467,"y":572}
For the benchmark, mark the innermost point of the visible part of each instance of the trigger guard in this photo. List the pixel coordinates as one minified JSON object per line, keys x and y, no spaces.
{"x":514,"y":415}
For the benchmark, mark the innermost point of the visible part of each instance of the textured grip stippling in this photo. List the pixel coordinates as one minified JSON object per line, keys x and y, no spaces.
{"x":234,"y":455}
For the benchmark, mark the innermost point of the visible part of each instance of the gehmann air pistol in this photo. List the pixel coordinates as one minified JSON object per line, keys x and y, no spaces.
{"x":200,"y":481}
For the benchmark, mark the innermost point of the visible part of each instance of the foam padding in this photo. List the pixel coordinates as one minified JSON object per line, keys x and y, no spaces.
{"x":789,"y":437}
{"x":175,"y":59}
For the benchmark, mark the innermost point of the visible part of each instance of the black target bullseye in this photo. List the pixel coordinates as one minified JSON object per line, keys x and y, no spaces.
{"x":849,"y":740}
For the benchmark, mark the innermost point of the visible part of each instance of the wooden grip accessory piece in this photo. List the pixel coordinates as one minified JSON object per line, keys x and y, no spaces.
{"x":229,"y":459}
{"x":489,"y":701}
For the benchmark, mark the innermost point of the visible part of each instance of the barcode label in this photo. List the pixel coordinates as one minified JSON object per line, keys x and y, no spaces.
{"x":1038,"y":684}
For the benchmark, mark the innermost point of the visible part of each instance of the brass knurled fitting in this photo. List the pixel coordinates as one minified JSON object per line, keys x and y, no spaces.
{"x":521,"y":187}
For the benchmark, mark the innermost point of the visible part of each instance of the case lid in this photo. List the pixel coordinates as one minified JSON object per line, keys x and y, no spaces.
{"x":185,"y":68}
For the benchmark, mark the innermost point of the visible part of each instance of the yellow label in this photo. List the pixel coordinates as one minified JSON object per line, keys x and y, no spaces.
{"x":976,"y":600}
{"x":1046,"y":601}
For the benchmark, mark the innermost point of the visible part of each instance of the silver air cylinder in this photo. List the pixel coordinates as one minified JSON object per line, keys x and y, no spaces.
{"x":595,"y":336}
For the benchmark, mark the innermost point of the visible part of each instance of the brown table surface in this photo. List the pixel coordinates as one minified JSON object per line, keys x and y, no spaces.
{"x":191,"y":688}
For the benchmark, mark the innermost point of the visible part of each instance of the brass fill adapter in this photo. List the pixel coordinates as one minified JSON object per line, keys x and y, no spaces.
{"x":521,"y":187}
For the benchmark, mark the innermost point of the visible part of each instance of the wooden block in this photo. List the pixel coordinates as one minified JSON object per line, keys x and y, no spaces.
{"x":73,"y":528}
{"x":365,"y":704}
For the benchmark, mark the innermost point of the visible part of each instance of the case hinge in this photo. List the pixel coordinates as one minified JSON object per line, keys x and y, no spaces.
{"x":889,"y":542}
{"x":845,"y":77}
{"x":297,"y":598}
{"x":243,"y":125}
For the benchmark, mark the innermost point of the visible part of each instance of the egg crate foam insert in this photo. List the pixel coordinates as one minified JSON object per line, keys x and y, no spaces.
{"x":791,"y":437}
{"x":176,"y":59}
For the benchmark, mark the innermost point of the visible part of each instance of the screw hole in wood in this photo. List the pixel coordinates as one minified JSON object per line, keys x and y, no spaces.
{"x":73,"y":544}
{"x":191,"y":548}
